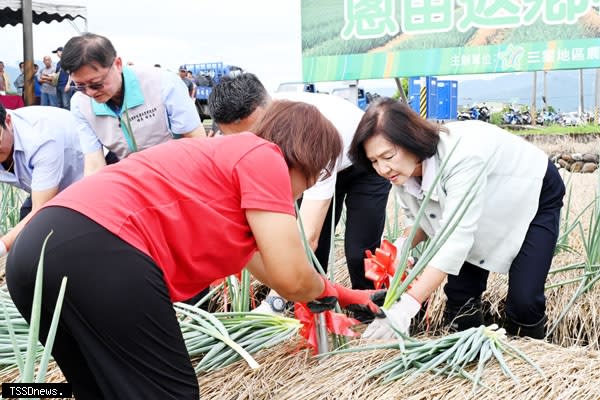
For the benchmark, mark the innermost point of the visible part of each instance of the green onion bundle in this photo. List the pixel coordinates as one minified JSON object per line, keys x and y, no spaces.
{"x":239,"y":291}
{"x":11,"y":320}
{"x":223,"y":338}
{"x":450,"y":355}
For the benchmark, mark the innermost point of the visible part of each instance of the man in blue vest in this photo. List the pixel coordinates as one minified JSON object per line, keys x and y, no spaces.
{"x":123,"y":108}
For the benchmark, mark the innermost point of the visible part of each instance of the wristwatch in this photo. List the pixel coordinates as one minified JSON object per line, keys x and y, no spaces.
{"x":277,"y":303}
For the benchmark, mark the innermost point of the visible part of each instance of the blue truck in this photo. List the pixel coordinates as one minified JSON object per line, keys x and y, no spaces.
{"x":206,"y":75}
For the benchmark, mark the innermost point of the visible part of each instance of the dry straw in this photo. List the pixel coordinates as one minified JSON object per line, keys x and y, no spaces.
{"x":287,"y":374}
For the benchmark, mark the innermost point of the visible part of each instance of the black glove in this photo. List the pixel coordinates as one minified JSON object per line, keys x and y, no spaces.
{"x":323,"y":304}
{"x":364,"y":313}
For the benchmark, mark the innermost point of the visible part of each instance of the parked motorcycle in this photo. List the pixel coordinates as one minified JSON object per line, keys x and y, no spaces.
{"x":467,"y":115}
{"x":547,"y":118}
{"x":484,"y":114}
{"x":526,"y":117}
{"x":475,"y":113}
{"x":512,"y":117}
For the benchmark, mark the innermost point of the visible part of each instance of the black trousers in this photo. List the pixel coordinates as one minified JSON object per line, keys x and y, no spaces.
{"x":25,"y":208}
{"x":118,"y":336}
{"x":525,"y":301}
{"x":365,"y":195}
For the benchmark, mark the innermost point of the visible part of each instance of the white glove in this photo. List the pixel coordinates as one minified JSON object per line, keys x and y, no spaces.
{"x":265,"y":308}
{"x":398,"y":243}
{"x":399,"y":315}
{"x":3,"y":249}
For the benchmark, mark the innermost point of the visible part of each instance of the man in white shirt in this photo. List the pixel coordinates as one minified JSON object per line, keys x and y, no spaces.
{"x":40,"y":154}
{"x":237,"y":102}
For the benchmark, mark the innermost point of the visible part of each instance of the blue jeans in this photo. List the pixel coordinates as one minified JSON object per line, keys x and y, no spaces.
{"x":49,"y":99}
{"x":63,"y":99}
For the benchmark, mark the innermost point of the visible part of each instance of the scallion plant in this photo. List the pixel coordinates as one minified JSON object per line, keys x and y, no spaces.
{"x":27,"y":365}
{"x":590,"y":268}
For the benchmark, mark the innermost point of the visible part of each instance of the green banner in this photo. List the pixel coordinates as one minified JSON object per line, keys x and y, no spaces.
{"x":369,"y":39}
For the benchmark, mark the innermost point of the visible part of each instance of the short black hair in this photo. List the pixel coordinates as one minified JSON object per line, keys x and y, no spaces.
{"x":236,"y":97}
{"x":2,"y":116}
{"x":87,"y":49}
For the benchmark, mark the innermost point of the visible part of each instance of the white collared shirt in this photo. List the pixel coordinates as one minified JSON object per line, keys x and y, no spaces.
{"x":46,"y":149}
{"x":345,"y":116}
{"x":491,"y":232}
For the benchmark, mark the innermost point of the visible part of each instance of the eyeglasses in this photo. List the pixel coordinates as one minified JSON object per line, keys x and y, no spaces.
{"x":94,"y":86}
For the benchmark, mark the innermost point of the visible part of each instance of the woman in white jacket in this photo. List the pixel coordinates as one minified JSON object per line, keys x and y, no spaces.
{"x":511,"y":226}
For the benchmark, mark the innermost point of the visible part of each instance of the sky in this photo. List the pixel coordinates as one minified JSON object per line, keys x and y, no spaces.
{"x":261,"y":36}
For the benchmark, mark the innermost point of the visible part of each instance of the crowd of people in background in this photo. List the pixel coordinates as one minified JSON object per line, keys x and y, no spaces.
{"x":51,"y":85}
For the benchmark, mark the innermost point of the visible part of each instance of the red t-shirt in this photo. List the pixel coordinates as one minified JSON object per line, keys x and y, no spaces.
{"x":183,"y":203}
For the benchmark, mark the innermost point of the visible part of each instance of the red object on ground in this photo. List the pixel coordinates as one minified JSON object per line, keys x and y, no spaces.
{"x":336,"y":323}
{"x":12,"y":102}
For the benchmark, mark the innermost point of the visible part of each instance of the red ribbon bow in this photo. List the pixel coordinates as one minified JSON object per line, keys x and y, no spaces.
{"x":336,"y":323}
{"x":379,"y":267}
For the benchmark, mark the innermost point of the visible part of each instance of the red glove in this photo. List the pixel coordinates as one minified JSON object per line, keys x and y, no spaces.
{"x":352,"y":298}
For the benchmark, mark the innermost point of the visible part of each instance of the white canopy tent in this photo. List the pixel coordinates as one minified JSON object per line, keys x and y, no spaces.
{"x":11,"y":11}
{"x":29,"y":12}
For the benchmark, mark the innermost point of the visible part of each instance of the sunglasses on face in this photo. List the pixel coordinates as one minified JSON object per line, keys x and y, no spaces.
{"x":93,"y":86}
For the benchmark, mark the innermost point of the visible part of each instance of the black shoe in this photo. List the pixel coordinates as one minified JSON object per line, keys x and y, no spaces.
{"x":535,"y":331}
{"x":464,"y":316}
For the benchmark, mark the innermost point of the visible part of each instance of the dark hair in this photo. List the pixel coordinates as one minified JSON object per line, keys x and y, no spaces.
{"x":399,"y":124}
{"x":2,"y":116}
{"x":309,"y":141}
{"x":87,"y":49}
{"x":236,"y":97}
{"x":21,"y":64}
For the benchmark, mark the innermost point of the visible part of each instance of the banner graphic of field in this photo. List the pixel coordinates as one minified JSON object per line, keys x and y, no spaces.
{"x":367,"y":39}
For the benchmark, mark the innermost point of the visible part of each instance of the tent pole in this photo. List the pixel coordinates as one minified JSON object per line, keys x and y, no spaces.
{"x":28,"y":93}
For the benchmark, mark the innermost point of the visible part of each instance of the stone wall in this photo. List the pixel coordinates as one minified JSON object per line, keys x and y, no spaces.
{"x":576,"y":162}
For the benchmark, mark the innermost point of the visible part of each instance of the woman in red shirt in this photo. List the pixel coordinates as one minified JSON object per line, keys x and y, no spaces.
{"x":157,"y":228}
